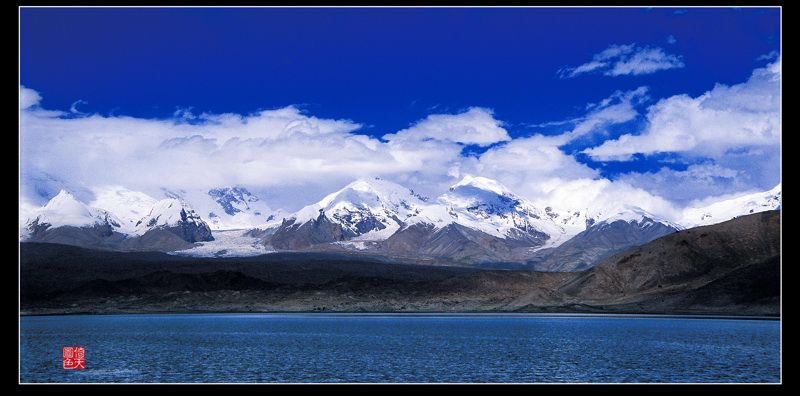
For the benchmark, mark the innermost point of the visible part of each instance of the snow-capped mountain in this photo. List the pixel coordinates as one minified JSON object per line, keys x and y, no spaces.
{"x":728,"y":209}
{"x":64,"y":210}
{"x":477,"y":220}
{"x":365,"y":210}
{"x":129,"y":206}
{"x":620,"y":211}
{"x":139,"y":213}
{"x":608,"y":230}
{"x":166,"y":225}
{"x":173,"y":214}
{"x":488,"y":206}
{"x":228,"y":208}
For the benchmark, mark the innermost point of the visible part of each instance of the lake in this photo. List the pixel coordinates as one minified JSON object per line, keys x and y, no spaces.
{"x":399,"y":348}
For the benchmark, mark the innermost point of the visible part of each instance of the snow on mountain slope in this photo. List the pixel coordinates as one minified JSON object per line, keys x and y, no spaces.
{"x":65,"y":210}
{"x":140,"y":212}
{"x":174,"y":215}
{"x":166,"y":212}
{"x":129,"y":206}
{"x":368,"y":208}
{"x":228,"y":208}
{"x":364,"y":213}
{"x":124,"y":211}
{"x":725,"y":210}
{"x":625,"y":212}
{"x":488,"y":206}
{"x":609,"y":229}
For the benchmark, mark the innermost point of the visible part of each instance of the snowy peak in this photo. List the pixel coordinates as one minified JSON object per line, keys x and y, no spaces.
{"x":480,"y":186}
{"x":227,"y":208}
{"x":364,"y":206}
{"x":172,"y":214}
{"x":486,"y":198}
{"x":489,"y":206}
{"x":64,"y":210}
{"x":129,"y":206}
{"x":373,"y":194}
{"x":366,"y":210}
{"x":167,"y":213}
{"x":619,"y":211}
{"x":482,"y":197}
{"x":233,"y":200}
{"x":725,"y":210}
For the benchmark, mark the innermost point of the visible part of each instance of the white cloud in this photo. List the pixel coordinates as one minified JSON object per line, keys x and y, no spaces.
{"x":534,"y":157}
{"x":683,"y":186}
{"x":474,"y":126}
{"x":730,"y":137}
{"x":579,"y":194}
{"x":282,"y":155}
{"x":28,"y":98}
{"x":267,"y":149}
{"x":618,"y":60}
{"x":526,"y":165}
{"x":74,"y":108}
{"x":740,"y":117}
{"x":618,"y":108}
{"x":645,"y":61}
{"x":537,"y":167}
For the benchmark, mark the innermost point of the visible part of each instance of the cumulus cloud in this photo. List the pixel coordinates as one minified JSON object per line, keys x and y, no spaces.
{"x":682,"y":187}
{"x":583,"y":193}
{"x":281,"y":154}
{"x":539,"y":168}
{"x":268,"y":148}
{"x":727,"y":140}
{"x":28,"y":98}
{"x":532,"y":159}
{"x":474,"y":126}
{"x":618,"y":60}
{"x":739,"y":117}
{"x":532,"y":167}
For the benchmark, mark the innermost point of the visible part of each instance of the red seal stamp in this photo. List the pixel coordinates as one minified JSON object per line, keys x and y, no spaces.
{"x":73,"y":358}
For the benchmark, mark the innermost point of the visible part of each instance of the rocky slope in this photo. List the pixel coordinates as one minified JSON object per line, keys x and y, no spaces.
{"x":478,"y":222}
{"x":684,"y":266}
{"x":168,"y":225}
{"x":731,"y":268}
{"x":601,"y":240}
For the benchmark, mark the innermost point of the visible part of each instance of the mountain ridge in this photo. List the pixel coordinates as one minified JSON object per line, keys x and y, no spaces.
{"x":731,"y":268}
{"x":478,"y":221}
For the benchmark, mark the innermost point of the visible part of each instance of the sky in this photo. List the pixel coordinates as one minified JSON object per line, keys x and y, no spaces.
{"x":663,"y":108}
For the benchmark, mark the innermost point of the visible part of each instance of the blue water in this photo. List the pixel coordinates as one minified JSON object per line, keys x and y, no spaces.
{"x":316,"y":348}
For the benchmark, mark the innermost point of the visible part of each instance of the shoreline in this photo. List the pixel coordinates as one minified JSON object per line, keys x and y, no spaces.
{"x":427,"y":314}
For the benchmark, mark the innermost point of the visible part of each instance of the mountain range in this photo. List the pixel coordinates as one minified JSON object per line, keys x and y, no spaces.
{"x":477,"y":222}
{"x":730,"y":268}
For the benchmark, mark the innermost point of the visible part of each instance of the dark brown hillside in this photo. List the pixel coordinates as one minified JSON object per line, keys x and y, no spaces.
{"x":751,"y":290}
{"x":731,"y":268}
{"x":680,"y":262}
{"x":599,"y":243}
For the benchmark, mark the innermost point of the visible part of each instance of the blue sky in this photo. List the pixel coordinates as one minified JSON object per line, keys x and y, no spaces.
{"x":665,"y":107}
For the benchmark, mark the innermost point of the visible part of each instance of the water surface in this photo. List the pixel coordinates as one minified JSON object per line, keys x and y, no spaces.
{"x":331,"y":348}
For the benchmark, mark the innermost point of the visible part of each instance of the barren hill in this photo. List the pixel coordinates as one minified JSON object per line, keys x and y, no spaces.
{"x":732,"y":268}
